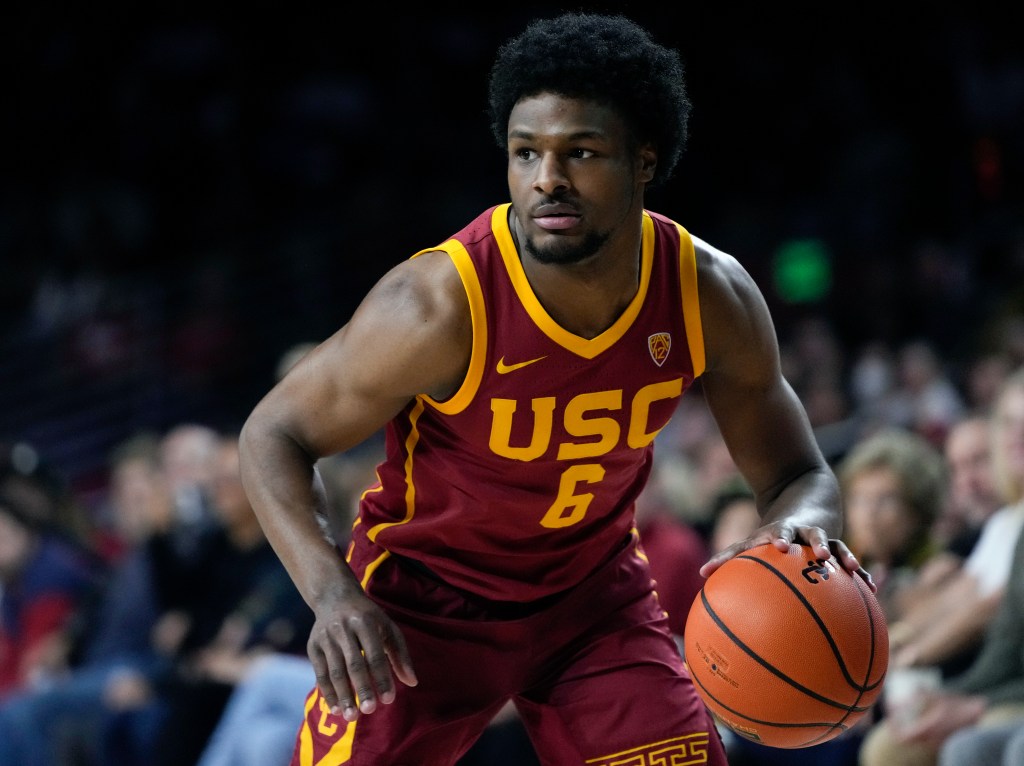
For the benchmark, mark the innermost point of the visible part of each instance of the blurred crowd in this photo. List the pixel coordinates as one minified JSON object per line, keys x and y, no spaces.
{"x":152,"y":623}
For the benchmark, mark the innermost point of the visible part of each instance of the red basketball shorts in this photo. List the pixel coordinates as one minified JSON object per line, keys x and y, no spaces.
{"x":594,"y":673}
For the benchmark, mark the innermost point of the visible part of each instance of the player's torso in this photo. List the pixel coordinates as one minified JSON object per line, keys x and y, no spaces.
{"x":523,"y":481}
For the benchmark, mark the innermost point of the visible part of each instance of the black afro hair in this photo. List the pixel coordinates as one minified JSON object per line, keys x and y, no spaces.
{"x":609,"y":59}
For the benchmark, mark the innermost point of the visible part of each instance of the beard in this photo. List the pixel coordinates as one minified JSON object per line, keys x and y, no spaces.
{"x":563,"y":251}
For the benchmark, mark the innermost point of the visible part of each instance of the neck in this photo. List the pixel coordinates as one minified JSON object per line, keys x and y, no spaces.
{"x":586,"y":298}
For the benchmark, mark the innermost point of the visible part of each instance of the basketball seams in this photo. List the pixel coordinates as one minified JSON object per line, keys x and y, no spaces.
{"x":874,"y":646}
{"x":826,"y":633}
{"x":772,"y":669}
{"x":830,"y":725}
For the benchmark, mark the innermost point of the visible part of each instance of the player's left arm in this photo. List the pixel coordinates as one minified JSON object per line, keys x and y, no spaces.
{"x":761,"y":418}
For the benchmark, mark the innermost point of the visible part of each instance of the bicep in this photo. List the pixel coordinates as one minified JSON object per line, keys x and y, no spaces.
{"x":408,"y":336}
{"x":760,"y":416}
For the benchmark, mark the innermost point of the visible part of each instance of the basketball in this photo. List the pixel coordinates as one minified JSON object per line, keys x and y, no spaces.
{"x":786,"y":649}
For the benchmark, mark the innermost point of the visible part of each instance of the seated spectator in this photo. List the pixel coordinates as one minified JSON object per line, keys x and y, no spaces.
{"x":44,"y":579}
{"x":258,"y":725}
{"x":42,"y":495}
{"x":931,"y":401}
{"x":946,"y":619}
{"x":973,"y":718}
{"x":264,"y":712}
{"x":973,"y":495}
{"x":110,"y":636}
{"x":244,"y":607}
{"x":187,"y":454}
{"x":893,"y":483}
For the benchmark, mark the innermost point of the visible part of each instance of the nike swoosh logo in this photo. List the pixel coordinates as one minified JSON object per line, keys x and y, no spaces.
{"x":505,"y":368}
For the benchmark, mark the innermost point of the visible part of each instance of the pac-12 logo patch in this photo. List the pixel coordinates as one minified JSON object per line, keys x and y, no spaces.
{"x":659,"y":345}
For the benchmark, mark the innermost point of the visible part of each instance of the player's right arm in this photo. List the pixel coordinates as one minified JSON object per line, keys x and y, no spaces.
{"x":410,"y":335}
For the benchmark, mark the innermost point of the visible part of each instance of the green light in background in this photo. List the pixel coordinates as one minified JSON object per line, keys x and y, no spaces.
{"x":802,"y":270}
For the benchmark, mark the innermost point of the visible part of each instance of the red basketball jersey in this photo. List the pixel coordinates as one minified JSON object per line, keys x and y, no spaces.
{"x":523,"y":482}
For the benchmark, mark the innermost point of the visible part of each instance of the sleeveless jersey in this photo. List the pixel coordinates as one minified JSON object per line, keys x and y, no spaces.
{"x":523,"y":482}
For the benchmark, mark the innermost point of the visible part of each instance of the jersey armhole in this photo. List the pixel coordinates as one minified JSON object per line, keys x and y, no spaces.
{"x":478,"y":316}
{"x":691,"y":301}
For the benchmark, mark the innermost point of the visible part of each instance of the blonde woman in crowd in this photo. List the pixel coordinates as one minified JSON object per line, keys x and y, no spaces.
{"x":893,"y":484}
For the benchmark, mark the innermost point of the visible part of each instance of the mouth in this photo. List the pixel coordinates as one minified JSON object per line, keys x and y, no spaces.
{"x":556,"y":217}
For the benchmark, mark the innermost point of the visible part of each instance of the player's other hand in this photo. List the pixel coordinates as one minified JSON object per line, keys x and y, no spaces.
{"x":357,"y":652}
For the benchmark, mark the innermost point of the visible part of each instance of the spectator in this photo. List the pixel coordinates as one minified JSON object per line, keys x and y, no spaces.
{"x":972,"y":719}
{"x":188,"y":455}
{"x":259,"y":722}
{"x":973,"y":496}
{"x":62,"y":721}
{"x":991,"y":690}
{"x":984,"y":378}
{"x":42,"y":496}
{"x":44,"y":579}
{"x":955,"y":599}
{"x":244,"y":607}
{"x":930,"y":401}
{"x":893,"y":483}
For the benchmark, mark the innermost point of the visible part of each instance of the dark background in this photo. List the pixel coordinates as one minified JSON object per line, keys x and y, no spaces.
{"x":186,"y":194}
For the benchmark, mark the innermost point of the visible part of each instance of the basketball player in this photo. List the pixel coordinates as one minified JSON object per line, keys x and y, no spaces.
{"x":522,"y":369}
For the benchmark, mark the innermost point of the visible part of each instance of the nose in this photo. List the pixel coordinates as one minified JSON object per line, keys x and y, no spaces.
{"x":551,"y":175}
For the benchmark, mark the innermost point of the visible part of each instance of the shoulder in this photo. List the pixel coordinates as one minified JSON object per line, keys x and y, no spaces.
{"x":423,"y":295}
{"x":736,"y":320}
{"x":412,"y":333}
{"x":721,"y":275}
{"x":426,"y":284}
{"x":431,"y":284}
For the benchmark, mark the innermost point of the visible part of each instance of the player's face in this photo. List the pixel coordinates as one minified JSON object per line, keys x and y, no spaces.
{"x":574,"y":176}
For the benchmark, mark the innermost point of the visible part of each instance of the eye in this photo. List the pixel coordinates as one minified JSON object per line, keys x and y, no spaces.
{"x":525,"y":154}
{"x":579,"y":153}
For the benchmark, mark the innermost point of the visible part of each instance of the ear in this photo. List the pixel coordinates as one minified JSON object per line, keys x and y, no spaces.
{"x":648,"y":162}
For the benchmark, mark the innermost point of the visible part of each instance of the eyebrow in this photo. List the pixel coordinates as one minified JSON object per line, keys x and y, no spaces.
{"x":575,"y":136}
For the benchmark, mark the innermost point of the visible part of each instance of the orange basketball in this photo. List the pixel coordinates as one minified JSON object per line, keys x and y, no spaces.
{"x":785,"y":649}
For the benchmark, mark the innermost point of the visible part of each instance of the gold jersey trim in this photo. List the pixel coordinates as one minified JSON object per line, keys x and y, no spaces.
{"x":410,"y":487}
{"x":584,"y":347}
{"x":691,"y":301}
{"x":478,"y":316}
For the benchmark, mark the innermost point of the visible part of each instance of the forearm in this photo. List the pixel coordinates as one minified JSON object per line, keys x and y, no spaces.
{"x":288,"y":498}
{"x":954,"y":630}
{"x":934,"y":612}
{"x":923,"y":601}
